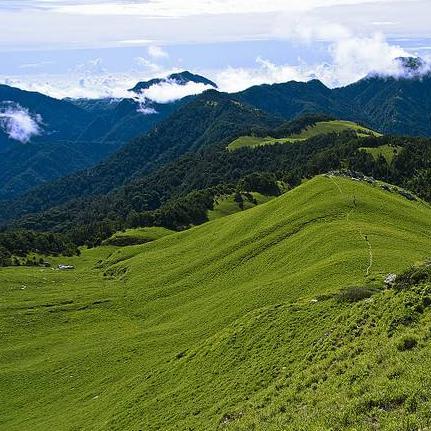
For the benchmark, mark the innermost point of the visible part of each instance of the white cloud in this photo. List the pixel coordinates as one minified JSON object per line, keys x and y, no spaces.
{"x":145,"y":109}
{"x":157,"y":52}
{"x":237,"y":79}
{"x":352,"y":59}
{"x":91,"y":67}
{"x":76,"y":86}
{"x":132,"y":42}
{"x":307,"y":28}
{"x":355,"y":57}
{"x":175,"y":9}
{"x":169,"y":91}
{"x":148,"y":65}
{"x":18,"y":123}
{"x":37,"y":65}
{"x":73,"y":24}
{"x":107,"y":85}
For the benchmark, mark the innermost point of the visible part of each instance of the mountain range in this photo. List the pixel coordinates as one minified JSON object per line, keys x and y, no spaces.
{"x":75,"y":134}
{"x":69,"y":135}
{"x":248,"y":261}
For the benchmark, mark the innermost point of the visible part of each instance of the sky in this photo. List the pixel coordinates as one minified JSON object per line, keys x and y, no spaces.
{"x":100,"y":48}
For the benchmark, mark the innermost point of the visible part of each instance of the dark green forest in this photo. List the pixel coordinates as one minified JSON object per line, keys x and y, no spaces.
{"x":180,"y":193}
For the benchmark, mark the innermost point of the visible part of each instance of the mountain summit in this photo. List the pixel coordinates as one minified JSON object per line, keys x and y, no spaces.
{"x":412,"y":64}
{"x":181,"y":78}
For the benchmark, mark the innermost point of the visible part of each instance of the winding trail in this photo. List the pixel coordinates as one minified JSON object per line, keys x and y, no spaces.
{"x":370,"y":251}
{"x":362,"y":235}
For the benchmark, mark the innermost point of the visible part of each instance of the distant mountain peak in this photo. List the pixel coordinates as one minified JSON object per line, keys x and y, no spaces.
{"x":413,"y":67}
{"x":411,"y":63}
{"x":410,"y":68}
{"x":180,"y":78}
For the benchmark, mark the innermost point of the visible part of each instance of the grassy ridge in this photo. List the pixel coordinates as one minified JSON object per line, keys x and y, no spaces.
{"x":320,"y":128}
{"x":218,"y":326}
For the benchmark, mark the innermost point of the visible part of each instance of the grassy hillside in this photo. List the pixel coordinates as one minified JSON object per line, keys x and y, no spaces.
{"x":137,"y":236}
{"x":386,"y":151}
{"x":320,"y":128}
{"x":226,"y":205}
{"x":236,"y":324}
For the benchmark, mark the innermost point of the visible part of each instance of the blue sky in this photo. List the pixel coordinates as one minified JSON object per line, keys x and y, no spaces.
{"x":97,"y":48}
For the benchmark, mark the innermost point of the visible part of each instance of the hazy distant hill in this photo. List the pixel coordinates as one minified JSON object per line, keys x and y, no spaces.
{"x":44,"y":138}
{"x":56,"y":119}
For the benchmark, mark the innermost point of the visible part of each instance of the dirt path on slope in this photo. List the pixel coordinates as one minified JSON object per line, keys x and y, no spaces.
{"x":361,"y":234}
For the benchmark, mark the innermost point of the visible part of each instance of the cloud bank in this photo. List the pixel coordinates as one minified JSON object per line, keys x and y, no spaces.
{"x":18,"y":123}
{"x":175,"y":9}
{"x":72,"y":24}
{"x":170,"y":91}
{"x":166,"y":92}
{"x":349,"y":59}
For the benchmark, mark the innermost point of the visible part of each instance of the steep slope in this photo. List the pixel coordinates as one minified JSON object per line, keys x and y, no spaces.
{"x":42,"y":138}
{"x":206,"y":120}
{"x":125,"y":119}
{"x":292,"y":99}
{"x":230,"y":325}
{"x":393,"y":105}
{"x":386,"y":104}
{"x":59,"y":119}
{"x":24,"y":167}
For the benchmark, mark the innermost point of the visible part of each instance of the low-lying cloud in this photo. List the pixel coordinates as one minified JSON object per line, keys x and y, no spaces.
{"x":170,"y":90}
{"x":351,"y":60}
{"x":166,"y":92}
{"x":18,"y":123}
{"x":145,"y":110}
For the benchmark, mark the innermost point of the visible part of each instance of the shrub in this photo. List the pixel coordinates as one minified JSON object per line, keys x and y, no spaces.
{"x":355,"y":293}
{"x":413,"y":277}
{"x":407,"y":342}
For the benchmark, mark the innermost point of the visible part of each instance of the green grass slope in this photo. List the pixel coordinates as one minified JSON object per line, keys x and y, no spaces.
{"x":226,"y":205}
{"x":386,"y":151}
{"x":229,"y":325}
{"x":320,"y":128}
{"x":137,"y":236}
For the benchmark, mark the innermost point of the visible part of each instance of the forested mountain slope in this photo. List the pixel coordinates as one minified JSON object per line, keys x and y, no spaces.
{"x":57,"y":119}
{"x":386,"y":104}
{"x":292,"y":99}
{"x":393,"y":105}
{"x":208,"y":119}
{"x":42,"y":138}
